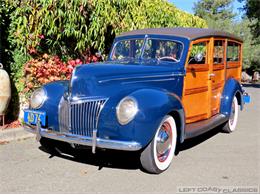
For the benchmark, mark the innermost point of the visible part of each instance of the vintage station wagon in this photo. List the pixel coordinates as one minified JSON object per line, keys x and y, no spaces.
{"x":157,"y":88}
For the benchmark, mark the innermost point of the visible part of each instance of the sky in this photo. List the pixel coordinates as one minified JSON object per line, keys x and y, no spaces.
{"x":187,"y":6}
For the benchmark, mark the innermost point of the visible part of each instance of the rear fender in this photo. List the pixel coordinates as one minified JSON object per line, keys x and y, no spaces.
{"x":232,"y":88}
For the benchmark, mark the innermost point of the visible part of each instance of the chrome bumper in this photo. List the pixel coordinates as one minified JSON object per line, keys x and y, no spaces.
{"x":86,"y":141}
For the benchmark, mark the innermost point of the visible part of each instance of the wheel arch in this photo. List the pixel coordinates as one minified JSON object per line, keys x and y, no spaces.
{"x":231,"y":89}
{"x":180,"y":124}
{"x":165,"y":103}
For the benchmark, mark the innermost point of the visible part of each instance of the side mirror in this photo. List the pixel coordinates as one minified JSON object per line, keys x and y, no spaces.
{"x":198,"y":57}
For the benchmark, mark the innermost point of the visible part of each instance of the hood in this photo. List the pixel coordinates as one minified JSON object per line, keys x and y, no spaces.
{"x":102,"y":79}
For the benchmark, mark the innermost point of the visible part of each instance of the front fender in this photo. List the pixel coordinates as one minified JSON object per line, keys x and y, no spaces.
{"x":153,"y":105}
{"x":55,"y":91}
{"x":232,"y":88}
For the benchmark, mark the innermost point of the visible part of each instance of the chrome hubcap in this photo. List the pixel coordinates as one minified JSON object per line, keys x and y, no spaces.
{"x":164,"y":142}
{"x":232,"y":114}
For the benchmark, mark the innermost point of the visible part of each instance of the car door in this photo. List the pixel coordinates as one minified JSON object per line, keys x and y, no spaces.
{"x":196,"y":91}
{"x":217,"y":73}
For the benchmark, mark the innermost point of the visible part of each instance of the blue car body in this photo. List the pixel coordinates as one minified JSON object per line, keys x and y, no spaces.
{"x":157,"y":87}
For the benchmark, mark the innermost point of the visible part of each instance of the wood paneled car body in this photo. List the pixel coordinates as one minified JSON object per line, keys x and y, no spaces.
{"x":157,"y":88}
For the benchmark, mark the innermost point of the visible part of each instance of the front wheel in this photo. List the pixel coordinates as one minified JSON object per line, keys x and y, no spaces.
{"x":231,"y":124}
{"x":158,"y":155}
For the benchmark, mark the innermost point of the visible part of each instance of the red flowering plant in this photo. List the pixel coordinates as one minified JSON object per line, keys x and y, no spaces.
{"x":46,"y":69}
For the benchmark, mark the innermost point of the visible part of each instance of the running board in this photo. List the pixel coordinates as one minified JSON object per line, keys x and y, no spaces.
{"x":197,"y":128}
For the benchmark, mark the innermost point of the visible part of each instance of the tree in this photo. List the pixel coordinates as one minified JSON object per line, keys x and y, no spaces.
{"x":214,"y":9}
{"x":252,"y":8}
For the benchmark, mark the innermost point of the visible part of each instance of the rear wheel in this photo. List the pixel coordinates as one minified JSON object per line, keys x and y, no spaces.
{"x":158,"y":155}
{"x":231,"y":124}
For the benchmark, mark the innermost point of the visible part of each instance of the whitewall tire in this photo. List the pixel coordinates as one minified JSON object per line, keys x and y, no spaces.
{"x":231,"y":124}
{"x":158,"y":155}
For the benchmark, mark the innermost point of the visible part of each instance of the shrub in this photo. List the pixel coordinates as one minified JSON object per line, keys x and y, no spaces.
{"x":45,"y":69}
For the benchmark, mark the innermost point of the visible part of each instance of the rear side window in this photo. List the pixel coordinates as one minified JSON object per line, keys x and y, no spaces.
{"x":218,"y":56}
{"x":233,"y":52}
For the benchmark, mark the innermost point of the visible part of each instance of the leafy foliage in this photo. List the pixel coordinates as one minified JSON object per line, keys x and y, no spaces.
{"x":19,"y":59}
{"x":45,"y":69}
{"x":69,"y":27}
{"x":252,"y":9}
{"x":214,"y":9}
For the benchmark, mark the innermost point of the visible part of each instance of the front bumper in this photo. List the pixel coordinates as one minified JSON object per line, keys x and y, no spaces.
{"x":86,"y":141}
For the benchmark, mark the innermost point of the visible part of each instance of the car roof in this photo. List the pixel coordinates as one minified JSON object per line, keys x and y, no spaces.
{"x":189,"y":33}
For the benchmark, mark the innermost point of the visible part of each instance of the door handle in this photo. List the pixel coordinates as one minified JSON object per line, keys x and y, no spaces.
{"x":212,"y":75}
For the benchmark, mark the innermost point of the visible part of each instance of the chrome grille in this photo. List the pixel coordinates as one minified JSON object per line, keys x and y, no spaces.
{"x":81,"y":117}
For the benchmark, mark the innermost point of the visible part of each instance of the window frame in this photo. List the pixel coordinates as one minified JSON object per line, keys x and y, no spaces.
{"x":224,"y":51}
{"x":199,"y":67}
{"x":234,"y":64}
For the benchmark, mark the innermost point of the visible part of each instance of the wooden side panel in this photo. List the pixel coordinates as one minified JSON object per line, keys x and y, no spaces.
{"x":234,"y":70}
{"x":195,"y":99}
{"x":203,"y":83}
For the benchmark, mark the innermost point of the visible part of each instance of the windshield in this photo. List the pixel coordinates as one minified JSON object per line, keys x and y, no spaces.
{"x":159,"y":49}
{"x":123,"y":50}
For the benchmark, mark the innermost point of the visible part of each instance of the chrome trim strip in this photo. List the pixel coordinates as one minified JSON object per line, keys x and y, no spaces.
{"x":143,"y":77}
{"x":143,"y":81}
{"x":87,"y":141}
{"x":94,"y":141}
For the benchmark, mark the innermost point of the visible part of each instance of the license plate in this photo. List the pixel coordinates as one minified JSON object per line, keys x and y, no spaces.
{"x":32,"y":117}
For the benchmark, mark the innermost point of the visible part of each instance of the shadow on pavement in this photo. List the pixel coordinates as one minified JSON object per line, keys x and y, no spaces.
{"x":255,"y":85}
{"x":116,"y":159}
{"x":102,"y":158}
{"x":190,"y":143}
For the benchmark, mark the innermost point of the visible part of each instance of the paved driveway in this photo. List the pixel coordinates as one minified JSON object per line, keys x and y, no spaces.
{"x":212,"y":162}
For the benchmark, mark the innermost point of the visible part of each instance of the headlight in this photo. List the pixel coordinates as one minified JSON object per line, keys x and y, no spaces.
{"x":126,"y":110}
{"x":38,"y":98}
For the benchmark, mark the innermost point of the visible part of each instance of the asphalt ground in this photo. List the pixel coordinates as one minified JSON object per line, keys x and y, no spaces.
{"x":214,"y":162}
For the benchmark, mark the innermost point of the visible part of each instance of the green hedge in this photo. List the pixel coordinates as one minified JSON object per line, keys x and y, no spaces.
{"x":69,"y":27}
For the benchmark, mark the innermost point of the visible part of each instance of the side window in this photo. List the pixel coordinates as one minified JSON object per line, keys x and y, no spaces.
{"x":199,"y":48}
{"x":233,"y":52}
{"x":218,"y":56}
